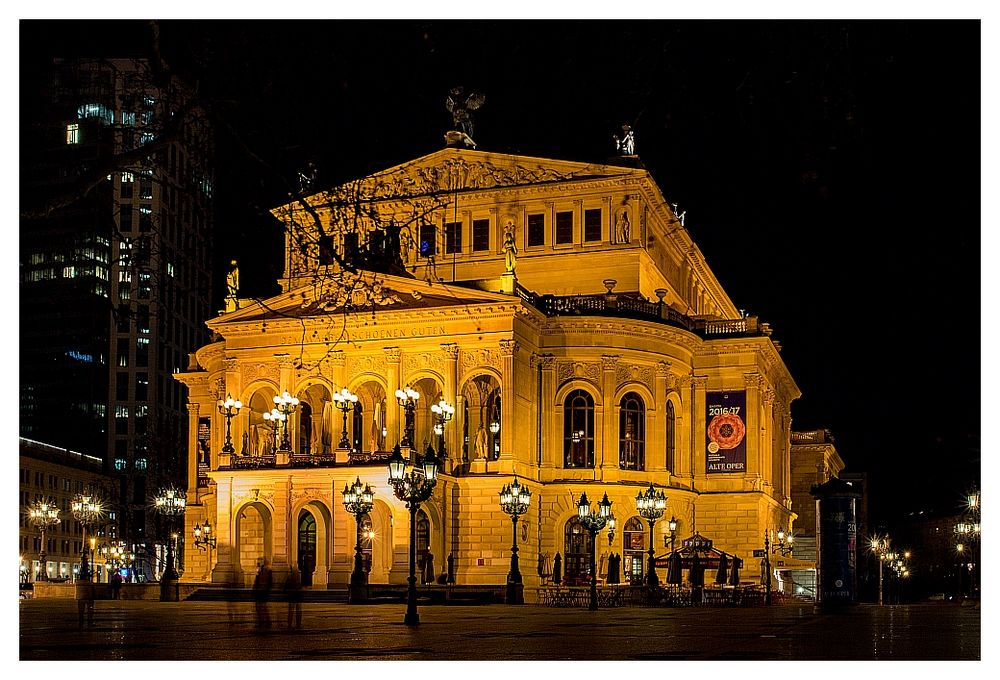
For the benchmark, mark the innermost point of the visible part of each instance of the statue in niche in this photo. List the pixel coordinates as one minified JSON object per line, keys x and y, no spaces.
{"x":482,"y":443}
{"x":509,"y":247}
{"x":326,"y":439}
{"x":624,"y":227}
{"x":246,"y":444}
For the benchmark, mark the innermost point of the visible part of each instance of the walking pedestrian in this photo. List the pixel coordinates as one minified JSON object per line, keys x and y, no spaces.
{"x":293,"y":593}
{"x":116,"y":585}
{"x":262,"y":593}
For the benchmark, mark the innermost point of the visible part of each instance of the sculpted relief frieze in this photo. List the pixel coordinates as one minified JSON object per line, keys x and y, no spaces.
{"x":566,"y":370}
{"x":420,"y":360}
{"x":473,"y":358}
{"x":259,"y":369}
{"x":625,"y":373}
{"x":366,"y":364}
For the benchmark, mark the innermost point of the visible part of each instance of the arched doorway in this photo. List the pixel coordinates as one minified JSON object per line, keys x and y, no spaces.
{"x":578,"y":547}
{"x":634,"y":539}
{"x":307,"y":546}
{"x":253,"y":539}
{"x":423,"y":542}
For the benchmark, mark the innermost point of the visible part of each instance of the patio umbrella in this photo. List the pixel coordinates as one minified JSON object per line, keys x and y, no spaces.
{"x":674,"y":569}
{"x":720,"y":576}
{"x":557,"y":570}
{"x":734,"y":576}
{"x":696,"y":575}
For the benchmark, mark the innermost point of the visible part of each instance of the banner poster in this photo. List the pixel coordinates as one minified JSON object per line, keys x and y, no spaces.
{"x":204,"y":439}
{"x":726,"y":429}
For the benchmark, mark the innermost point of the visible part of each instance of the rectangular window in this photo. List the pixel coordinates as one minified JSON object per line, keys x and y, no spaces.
{"x":73,"y":133}
{"x":141,"y":386}
{"x":126,"y":186}
{"x":146,"y":187}
{"x":453,"y":237}
{"x":564,"y":227}
{"x":427,"y":243}
{"x":592,"y":225}
{"x":142,"y":352}
{"x":145,"y":219}
{"x":125,"y":216}
{"x":536,"y":230}
{"x":480,"y":235}
{"x":121,"y":386}
{"x":123,"y":346}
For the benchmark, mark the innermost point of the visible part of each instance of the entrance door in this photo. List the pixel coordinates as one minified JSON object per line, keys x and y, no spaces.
{"x":307,"y":547}
{"x":635,"y":551}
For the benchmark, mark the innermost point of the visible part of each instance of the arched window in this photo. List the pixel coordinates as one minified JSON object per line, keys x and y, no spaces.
{"x":576,"y":552}
{"x":578,"y":430}
{"x":632,"y":433}
{"x":670,"y":436}
{"x":634,"y":539}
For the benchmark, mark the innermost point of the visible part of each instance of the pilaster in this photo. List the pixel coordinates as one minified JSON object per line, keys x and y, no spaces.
{"x":224,"y":571}
{"x":234,"y":386}
{"x":192,"y":458}
{"x":656,"y":439}
{"x":392,"y":359}
{"x":698,"y":406}
{"x":451,"y":430}
{"x":608,"y":450}
{"x":551,"y":440}
{"x":508,"y":348}
{"x":753,"y":474}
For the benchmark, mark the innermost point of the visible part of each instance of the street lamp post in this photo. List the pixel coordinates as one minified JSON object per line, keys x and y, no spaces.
{"x":413,"y":487}
{"x":358,"y":501}
{"x":229,"y":409}
{"x":345,"y":401}
{"x":515,"y":501}
{"x":170,"y":503}
{"x":593,"y":523}
{"x":276,"y":418}
{"x":87,"y":510}
{"x":494,"y":429}
{"x":204,"y":540}
{"x":879,"y":545}
{"x":407,"y":398}
{"x":651,"y":505}
{"x":286,"y":405}
{"x":43,"y":514}
{"x":443,"y":412}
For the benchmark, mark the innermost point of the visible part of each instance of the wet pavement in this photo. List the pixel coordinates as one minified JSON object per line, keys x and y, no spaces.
{"x":138,"y":630}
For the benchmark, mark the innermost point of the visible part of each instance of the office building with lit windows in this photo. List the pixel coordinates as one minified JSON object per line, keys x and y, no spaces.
{"x":565,"y":313}
{"x":115,"y":248}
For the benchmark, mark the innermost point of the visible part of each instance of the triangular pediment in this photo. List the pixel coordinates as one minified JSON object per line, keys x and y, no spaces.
{"x":454,"y":169}
{"x":361,"y":293}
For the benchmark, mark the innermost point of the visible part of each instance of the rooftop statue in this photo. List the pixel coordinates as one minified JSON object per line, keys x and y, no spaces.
{"x":625,"y":145}
{"x":460,"y":105}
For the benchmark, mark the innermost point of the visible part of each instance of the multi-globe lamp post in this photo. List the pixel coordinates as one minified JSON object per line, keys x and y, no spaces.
{"x":358,"y":501}
{"x":407,"y":398}
{"x":286,"y":405}
{"x":879,"y":545}
{"x":345,"y":401}
{"x":515,"y":501}
{"x":229,"y":409}
{"x":87,"y":510}
{"x":443,"y":412}
{"x":276,"y":418}
{"x":651,"y":505}
{"x":593,"y":522}
{"x":170,"y":503}
{"x":413,"y":487}
{"x":43,"y":514}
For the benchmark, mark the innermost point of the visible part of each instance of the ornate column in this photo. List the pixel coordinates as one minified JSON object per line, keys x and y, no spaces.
{"x":392,"y":357}
{"x":335,"y":425}
{"x":698,"y":448}
{"x":753,"y":474}
{"x":507,"y":350}
{"x":607,"y":452}
{"x":234,"y":386}
{"x":192,"y":446}
{"x":551,"y":437}
{"x":656,"y":441}
{"x":223,"y":527}
{"x":451,"y":430}
{"x":784,"y":452}
{"x":285,"y":368}
{"x":767,"y":440}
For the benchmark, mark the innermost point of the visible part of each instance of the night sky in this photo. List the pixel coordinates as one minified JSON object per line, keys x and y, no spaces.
{"x":830,"y":173}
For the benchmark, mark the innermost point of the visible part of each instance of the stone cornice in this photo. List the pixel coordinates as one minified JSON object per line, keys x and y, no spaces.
{"x":626,"y":328}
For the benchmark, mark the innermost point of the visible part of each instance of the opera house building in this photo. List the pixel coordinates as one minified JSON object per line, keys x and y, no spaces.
{"x":543,"y":319}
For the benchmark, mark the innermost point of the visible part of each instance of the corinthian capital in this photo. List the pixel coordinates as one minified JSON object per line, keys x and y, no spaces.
{"x":450,"y":349}
{"x":508,"y":347}
{"x":392,"y":354}
{"x":753,"y":380}
{"x":609,"y":361}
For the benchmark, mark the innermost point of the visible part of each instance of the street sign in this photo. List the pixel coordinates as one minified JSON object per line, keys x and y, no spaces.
{"x":760,"y":553}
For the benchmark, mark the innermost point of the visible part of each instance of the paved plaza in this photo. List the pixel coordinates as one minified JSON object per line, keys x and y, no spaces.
{"x":139,"y":630}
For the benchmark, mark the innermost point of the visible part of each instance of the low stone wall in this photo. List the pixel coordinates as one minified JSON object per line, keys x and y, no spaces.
{"x":102,"y":591}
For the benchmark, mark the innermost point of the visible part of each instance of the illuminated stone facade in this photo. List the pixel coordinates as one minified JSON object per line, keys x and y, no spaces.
{"x":598,"y":364}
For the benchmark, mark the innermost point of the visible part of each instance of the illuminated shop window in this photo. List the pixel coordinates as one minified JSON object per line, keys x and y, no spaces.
{"x":69,"y":272}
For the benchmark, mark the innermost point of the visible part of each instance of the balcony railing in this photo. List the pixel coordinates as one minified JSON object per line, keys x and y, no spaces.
{"x":634,"y":306}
